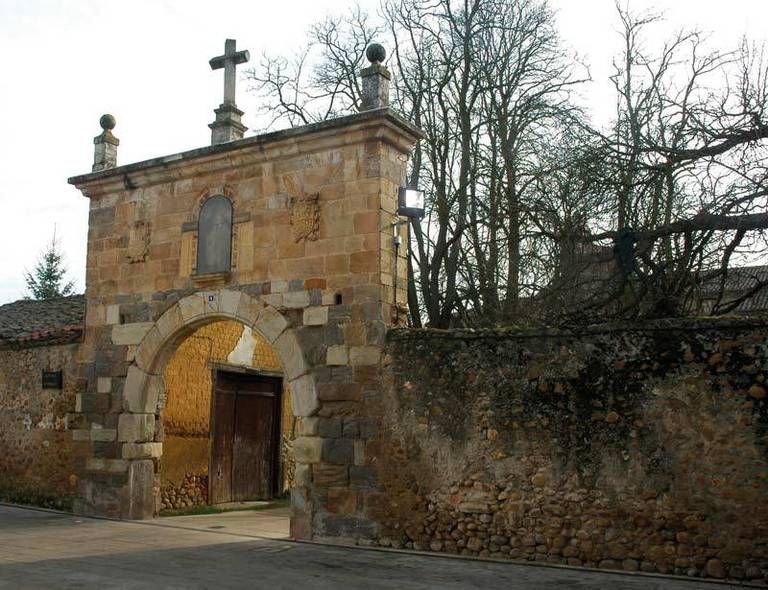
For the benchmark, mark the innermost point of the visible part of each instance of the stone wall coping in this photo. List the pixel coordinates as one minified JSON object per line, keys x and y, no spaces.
{"x":513,"y":332}
{"x":167,"y":168}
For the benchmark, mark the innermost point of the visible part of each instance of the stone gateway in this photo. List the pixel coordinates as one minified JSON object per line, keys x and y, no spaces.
{"x":239,"y":339}
{"x":289,"y":237}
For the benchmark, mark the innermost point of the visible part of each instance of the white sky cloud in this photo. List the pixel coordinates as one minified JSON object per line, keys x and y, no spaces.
{"x":146,"y":62}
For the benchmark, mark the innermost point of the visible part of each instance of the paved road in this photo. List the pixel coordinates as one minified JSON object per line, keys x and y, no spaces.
{"x":46,"y":550}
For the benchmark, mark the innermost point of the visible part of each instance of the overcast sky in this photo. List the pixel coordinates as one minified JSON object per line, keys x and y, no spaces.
{"x":66,"y":62}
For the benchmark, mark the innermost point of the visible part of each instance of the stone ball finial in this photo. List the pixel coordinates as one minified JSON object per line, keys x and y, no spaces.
{"x":375,"y":53}
{"x":107,"y":122}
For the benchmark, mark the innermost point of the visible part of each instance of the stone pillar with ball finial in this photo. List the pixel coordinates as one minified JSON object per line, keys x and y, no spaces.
{"x":105,"y":145}
{"x":375,"y":80}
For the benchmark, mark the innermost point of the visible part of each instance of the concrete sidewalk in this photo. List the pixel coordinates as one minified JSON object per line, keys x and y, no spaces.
{"x":47,"y":550}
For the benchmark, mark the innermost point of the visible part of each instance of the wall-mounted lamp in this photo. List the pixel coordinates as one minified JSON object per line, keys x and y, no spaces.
{"x":410,"y":202}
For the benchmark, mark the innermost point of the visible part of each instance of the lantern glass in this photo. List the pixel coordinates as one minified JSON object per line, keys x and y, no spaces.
{"x":411,"y":202}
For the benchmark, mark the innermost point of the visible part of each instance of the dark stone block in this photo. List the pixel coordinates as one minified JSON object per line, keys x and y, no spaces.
{"x":339,"y":312}
{"x":96,"y":403}
{"x":346,"y":526}
{"x":106,"y":450}
{"x":351,"y":427}
{"x":369,"y":428}
{"x":338,"y":451}
{"x":253,"y":290}
{"x":329,"y":427}
{"x":329,"y":475}
{"x":296,"y":285}
{"x":315,"y":297}
{"x":362,"y":476}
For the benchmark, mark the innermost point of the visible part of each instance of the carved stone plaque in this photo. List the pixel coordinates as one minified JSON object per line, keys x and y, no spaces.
{"x":138,"y":241}
{"x":305,"y":217}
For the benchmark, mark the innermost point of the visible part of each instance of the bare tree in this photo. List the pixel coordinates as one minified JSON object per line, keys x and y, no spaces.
{"x":532,"y":213}
{"x":684,"y":167}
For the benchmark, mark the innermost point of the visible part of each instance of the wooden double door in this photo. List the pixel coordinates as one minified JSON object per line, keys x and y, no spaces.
{"x":245,"y":432}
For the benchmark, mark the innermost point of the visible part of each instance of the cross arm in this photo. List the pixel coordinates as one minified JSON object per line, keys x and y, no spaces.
{"x":239,"y":57}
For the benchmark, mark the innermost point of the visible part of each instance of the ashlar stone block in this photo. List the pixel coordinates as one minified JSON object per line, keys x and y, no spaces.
{"x":170,"y":322}
{"x":364,"y":355}
{"x":126,"y":334}
{"x":135,"y":427}
{"x":229,"y":301}
{"x":304,"y":400}
{"x":289,"y":350}
{"x":113,"y":314}
{"x":149,"y":450}
{"x":308,"y":449}
{"x":315,"y":316}
{"x":296,"y":299}
{"x":192,"y":307}
{"x":271,"y":324}
{"x":248,"y":309}
{"x":338,"y":354}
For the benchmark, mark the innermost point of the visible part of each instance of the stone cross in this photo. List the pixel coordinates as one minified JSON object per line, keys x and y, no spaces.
{"x":229,"y":61}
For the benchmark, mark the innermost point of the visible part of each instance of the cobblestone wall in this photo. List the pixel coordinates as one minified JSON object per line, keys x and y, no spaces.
{"x":622,"y":448}
{"x":36,"y":462}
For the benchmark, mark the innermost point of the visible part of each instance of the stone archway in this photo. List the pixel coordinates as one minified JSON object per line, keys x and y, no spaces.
{"x":144,"y":384}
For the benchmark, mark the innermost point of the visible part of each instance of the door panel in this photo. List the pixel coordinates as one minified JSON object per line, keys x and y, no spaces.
{"x":222,"y":428}
{"x":246,"y":432}
{"x":252,"y":464}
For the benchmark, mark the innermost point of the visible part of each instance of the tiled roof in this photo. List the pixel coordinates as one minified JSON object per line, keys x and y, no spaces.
{"x":738,"y":282}
{"x":29,"y":322}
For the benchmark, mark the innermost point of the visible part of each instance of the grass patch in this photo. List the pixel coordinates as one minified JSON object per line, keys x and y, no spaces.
{"x":198,"y":510}
{"x":31,"y":497}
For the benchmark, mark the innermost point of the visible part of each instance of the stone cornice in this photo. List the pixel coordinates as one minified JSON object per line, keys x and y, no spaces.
{"x":382,"y":124}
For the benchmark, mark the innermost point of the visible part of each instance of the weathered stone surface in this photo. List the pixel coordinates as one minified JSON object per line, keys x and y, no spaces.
{"x":150,"y":450}
{"x":135,"y":427}
{"x":304,"y":396}
{"x":125,"y":334}
{"x":271,"y":324}
{"x":578,"y":448}
{"x":364,"y":355}
{"x":141,"y":504}
{"x":338,"y":354}
{"x":315,"y":316}
{"x":338,"y":451}
{"x":308,"y":449}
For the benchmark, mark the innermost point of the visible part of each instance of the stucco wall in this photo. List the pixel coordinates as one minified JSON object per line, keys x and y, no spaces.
{"x":186,"y":415}
{"x":641,"y":448}
{"x":36,"y":461}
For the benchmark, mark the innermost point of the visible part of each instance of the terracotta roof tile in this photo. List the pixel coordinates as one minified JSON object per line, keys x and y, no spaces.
{"x":29,"y":322}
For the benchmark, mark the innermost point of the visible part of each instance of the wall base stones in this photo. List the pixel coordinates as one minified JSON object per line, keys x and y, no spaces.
{"x":192,"y":491}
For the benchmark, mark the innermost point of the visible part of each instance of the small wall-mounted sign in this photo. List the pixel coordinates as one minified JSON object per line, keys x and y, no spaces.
{"x":53,"y":380}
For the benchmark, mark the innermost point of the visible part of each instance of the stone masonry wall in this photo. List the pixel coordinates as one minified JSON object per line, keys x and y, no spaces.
{"x":312,"y":271}
{"x":621,"y":448}
{"x":36,"y":461}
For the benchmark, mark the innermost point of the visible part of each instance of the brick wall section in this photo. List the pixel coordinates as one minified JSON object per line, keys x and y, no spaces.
{"x":622,"y":448}
{"x":36,"y":460}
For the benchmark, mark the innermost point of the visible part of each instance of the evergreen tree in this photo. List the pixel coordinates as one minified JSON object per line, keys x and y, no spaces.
{"x":47,"y":280}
